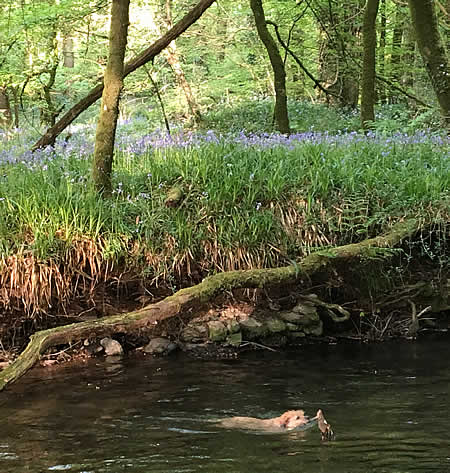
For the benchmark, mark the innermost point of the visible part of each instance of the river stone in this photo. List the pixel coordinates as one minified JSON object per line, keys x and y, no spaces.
{"x":275,"y":325}
{"x":159,"y":346}
{"x":233,"y":326}
{"x":252,"y":329}
{"x":194,"y":333}
{"x":234,"y":339}
{"x":296,"y":335}
{"x":305,"y":316}
{"x":290,"y":327}
{"x":217,"y":331}
{"x":316,"y":329}
{"x":112,"y":347}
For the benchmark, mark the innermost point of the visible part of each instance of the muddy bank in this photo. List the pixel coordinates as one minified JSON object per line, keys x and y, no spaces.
{"x":372,"y":290}
{"x":364,"y":304}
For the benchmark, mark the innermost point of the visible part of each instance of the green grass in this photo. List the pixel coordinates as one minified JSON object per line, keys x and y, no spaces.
{"x":243,"y":206}
{"x":232,"y":194}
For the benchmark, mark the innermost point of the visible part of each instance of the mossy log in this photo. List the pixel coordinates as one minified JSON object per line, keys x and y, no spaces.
{"x":209,"y":288}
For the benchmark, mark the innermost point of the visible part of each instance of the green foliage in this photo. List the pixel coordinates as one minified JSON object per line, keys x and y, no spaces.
{"x":266,"y":204}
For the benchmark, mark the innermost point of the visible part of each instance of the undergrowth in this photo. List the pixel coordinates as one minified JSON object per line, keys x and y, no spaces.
{"x":249,"y":200}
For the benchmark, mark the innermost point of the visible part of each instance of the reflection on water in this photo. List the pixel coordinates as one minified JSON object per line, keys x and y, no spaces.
{"x":388,"y":405}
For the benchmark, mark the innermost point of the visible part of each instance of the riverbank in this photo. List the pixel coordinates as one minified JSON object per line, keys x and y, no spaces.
{"x":190,"y":205}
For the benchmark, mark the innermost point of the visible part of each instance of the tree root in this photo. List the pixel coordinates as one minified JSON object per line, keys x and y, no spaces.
{"x":186,"y":299}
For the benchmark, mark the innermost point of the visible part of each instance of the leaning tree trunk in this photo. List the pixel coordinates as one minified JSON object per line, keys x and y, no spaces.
{"x":143,"y":58}
{"x":183,"y":301}
{"x":109,"y":109}
{"x":368,"y":68}
{"x":432,"y":51}
{"x":281,"y":112}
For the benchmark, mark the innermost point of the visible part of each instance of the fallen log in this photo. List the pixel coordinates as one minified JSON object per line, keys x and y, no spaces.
{"x":210,"y":287}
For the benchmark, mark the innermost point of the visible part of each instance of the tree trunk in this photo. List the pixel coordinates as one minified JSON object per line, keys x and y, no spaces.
{"x":185,"y":299}
{"x":339,"y":48}
{"x":147,"y":55}
{"x":409,"y":59}
{"x":16,"y":100}
{"x":368,"y":68}
{"x":281,"y":112}
{"x":173,"y":58}
{"x":109,"y":109}
{"x":382,"y":51}
{"x":432,"y":51}
{"x":69,"y":60}
{"x":49,"y":110}
{"x":5,"y":109}
{"x":396,"y":49}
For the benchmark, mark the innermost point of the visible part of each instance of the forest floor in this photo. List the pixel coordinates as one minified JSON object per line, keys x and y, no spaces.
{"x":189,"y":205}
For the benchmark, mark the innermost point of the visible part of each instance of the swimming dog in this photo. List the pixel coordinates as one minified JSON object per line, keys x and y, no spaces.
{"x":287,"y":421}
{"x":290,"y":420}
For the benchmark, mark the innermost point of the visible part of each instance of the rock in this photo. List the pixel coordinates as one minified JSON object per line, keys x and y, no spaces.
{"x":304,"y":315}
{"x":217,"y":331}
{"x":233,"y":326}
{"x":92,"y":347}
{"x":275,"y":325}
{"x":160,"y":346}
{"x":112,"y":347}
{"x":296,"y":335}
{"x":275,"y":340}
{"x":195,"y":333}
{"x":290,"y":327}
{"x":252,"y":329}
{"x":234,"y":339}
{"x":316,"y":330}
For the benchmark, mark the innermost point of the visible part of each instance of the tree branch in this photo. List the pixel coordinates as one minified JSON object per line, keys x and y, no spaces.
{"x":145,"y":56}
{"x":297,"y":60}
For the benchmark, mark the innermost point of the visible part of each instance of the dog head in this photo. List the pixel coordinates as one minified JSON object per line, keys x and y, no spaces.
{"x":292,"y":419}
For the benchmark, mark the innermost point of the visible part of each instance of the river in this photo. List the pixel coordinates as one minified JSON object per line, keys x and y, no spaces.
{"x":388,"y":405}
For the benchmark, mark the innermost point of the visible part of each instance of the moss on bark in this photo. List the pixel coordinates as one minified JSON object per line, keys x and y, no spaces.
{"x":433,"y":51}
{"x":281,"y":111}
{"x":206,"y":291}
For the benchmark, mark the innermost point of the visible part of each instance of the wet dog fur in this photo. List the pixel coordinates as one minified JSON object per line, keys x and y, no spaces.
{"x":287,"y":421}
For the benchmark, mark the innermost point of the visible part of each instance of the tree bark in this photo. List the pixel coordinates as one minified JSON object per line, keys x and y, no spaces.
{"x":368,"y":68}
{"x":109,"y":109}
{"x":281,"y":112}
{"x":409,"y":58}
{"x":204,"y":292}
{"x":173,"y":58}
{"x":68,"y":55}
{"x":382,"y":50}
{"x":339,"y":48}
{"x":5,"y":109}
{"x":145,"y":56}
{"x":396,"y":49}
{"x":432,"y":51}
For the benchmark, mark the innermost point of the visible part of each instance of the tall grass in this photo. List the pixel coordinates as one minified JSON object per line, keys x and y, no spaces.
{"x":249,"y":200}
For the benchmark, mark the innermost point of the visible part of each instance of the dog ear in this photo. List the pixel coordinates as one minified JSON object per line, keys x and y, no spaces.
{"x":284,"y":419}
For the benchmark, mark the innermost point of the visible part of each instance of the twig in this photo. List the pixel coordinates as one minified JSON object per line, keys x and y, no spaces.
{"x":297,"y":60}
{"x":63,"y":351}
{"x":259,"y":345}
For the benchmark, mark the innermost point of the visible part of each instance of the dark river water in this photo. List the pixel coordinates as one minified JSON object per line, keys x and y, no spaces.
{"x":388,"y":405}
